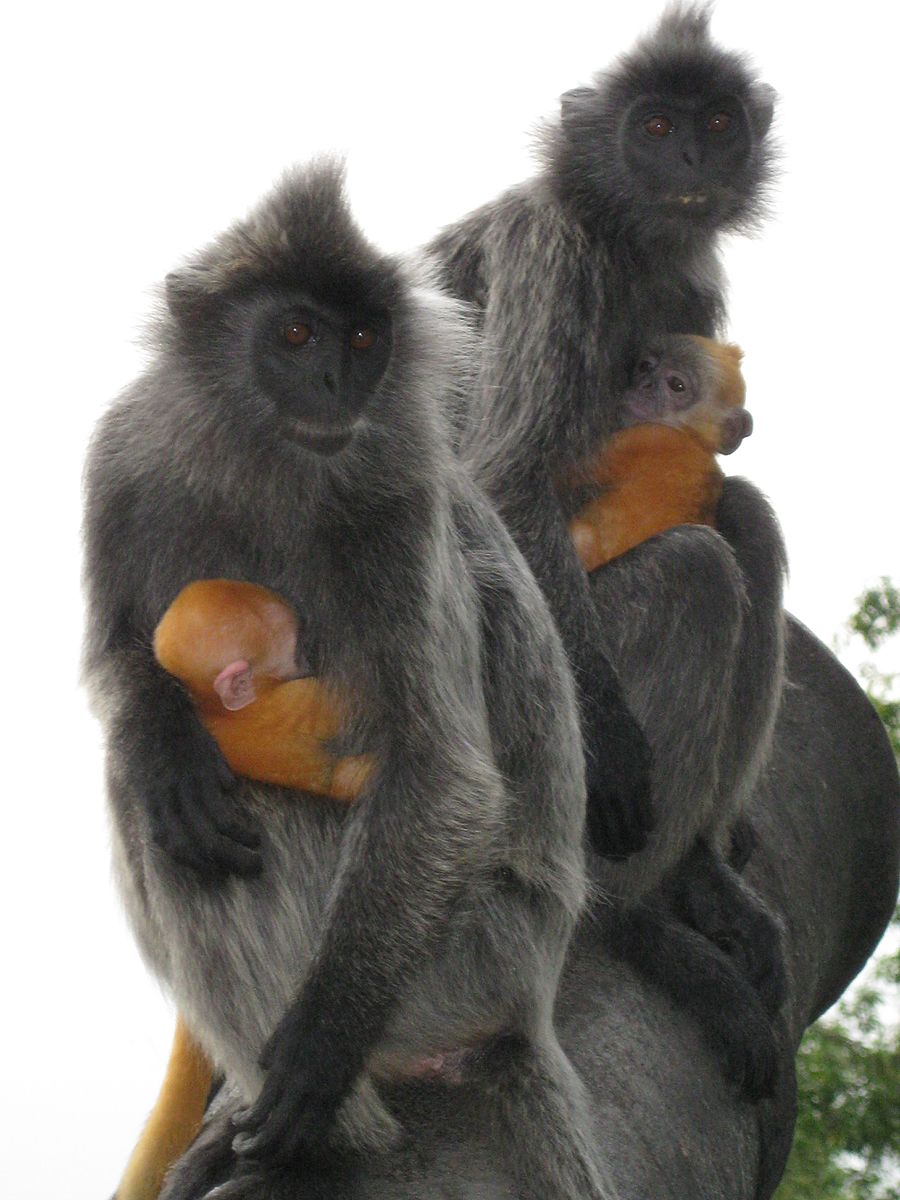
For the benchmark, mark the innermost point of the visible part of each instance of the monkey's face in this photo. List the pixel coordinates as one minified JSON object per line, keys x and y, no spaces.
{"x":689,"y":159}
{"x":317,"y":365}
{"x":691,"y":383}
{"x":663,"y":387}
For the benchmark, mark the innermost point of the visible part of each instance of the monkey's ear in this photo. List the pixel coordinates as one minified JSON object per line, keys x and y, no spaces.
{"x":234,"y":685}
{"x":575,"y":104}
{"x":762,"y":108}
{"x":188,"y":290}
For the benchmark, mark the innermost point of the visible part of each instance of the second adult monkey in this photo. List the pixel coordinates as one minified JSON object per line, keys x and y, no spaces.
{"x":611,"y":245}
{"x":290,"y":432}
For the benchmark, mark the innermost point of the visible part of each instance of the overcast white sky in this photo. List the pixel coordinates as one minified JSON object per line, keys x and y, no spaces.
{"x":133,"y":134}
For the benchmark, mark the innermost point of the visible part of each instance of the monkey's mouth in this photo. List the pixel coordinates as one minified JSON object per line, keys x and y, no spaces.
{"x":687,"y":198}
{"x":320,"y":438}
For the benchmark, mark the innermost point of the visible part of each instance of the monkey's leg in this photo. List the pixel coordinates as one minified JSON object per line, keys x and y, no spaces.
{"x":671,"y":613}
{"x":719,"y":902}
{"x":704,"y":983}
{"x":173,"y":1124}
{"x":676,"y":624}
{"x":713,"y":899}
{"x":537,"y":1102}
{"x":743,"y":843}
{"x":748,"y":525}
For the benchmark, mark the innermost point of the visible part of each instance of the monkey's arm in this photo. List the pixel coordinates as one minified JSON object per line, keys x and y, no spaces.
{"x":617,"y":756}
{"x":429,"y":819}
{"x":170,"y":766}
{"x":174,"y":770}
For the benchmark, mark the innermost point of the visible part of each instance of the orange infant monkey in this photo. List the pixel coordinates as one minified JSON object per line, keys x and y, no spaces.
{"x":685,"y":406}
{"x":234,"y":646}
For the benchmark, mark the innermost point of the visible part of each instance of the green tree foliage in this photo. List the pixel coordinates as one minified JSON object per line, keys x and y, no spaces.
{"x":877,"y":618}
{"x":847,"y":1144}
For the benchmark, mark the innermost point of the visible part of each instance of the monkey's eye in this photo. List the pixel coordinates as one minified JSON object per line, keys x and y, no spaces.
{"x":676,"y":384}
{"x":363,"y":338}
{"x":719,"y":123}
{"x":296,"y":333}
{"x":659,"y":126}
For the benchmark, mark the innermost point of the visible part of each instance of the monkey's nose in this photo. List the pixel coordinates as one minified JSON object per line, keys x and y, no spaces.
{"x":645,"y":370}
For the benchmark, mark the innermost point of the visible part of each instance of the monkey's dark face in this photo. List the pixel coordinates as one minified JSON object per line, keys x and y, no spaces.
{"x":672,"y":143}
{"x":662,"y":386}
{"x":688,"y":157}
{"x":317,"y":365}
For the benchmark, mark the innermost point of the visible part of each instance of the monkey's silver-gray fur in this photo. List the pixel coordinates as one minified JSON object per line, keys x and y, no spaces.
{"x":574,"y":273}
{"x":433,"y":914}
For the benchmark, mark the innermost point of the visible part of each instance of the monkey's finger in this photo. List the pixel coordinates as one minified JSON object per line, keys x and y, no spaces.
{"x":179,"y":842}
{"x":633,"y":821}
{"x":249,"y":1123}
{"x":282,"y":1139}
{"x":213,"y":849}
{"x":240,"y":831}
{"x":246,"y":1182}
{"x":604,"y":831}
{"x":295,"y":1120}
{"x":224,"y":816}
{"x":645,"y":816}
{"x":227,"y":778}
{"x":225,"y":813}
{"x":610,"y":825}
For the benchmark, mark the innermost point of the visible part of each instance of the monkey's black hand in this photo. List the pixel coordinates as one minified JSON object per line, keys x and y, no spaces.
{"x":192,"y":812}
{"x":618,"y":766}
{"x":304,"y":1087}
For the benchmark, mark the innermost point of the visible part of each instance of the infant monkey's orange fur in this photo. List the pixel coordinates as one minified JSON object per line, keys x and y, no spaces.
{"x":661,"y":471}
{"x":233,"y":645}
{"x":174,"y":1122}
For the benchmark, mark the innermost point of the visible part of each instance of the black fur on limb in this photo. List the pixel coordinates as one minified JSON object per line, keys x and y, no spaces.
{"x":826,"y":819}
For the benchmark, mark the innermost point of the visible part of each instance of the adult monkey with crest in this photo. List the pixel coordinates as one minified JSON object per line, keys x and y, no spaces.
{"x":613,"y":244}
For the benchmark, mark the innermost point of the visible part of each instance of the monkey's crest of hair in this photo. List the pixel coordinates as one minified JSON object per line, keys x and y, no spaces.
{"x":583,"y":151}
{"x":301,"y":238}
{"x":301,"y":234}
